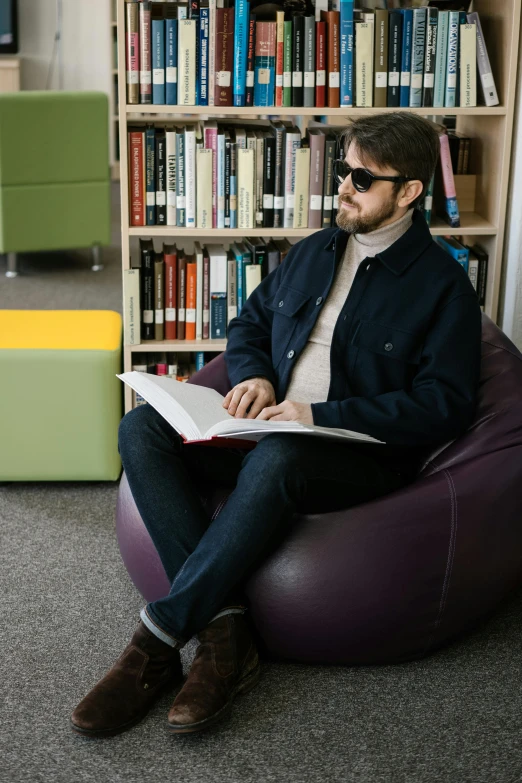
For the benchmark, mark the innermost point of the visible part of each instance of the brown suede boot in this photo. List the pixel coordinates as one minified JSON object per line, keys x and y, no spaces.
{"x":147,"y":668}
{"x":226,"y":663}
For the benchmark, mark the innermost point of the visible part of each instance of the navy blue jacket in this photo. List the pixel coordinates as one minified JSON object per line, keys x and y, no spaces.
{"x":405,"y":353}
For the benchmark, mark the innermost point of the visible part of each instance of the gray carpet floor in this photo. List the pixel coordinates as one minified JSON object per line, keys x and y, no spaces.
{"x":69,"y":609}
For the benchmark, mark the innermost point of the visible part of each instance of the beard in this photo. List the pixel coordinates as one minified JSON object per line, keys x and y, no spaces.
{"x":354,"y":223}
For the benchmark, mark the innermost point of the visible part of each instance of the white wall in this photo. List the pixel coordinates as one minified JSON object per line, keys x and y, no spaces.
{"x":510,"y":311}
{"x":86,"y":41}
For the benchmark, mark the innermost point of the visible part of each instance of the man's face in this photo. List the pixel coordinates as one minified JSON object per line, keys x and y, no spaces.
{"x":361,"y":213}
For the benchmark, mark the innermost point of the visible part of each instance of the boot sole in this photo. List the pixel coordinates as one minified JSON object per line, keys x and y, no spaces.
{"x":244,"y":686}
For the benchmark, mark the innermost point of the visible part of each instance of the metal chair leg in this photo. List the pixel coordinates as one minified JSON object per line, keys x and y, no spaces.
{"x":11,"y":265}
{"x":96,"y":258}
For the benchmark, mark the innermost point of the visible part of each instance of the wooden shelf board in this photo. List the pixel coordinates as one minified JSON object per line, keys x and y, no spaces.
{"x":256,"y":111}
{"x":178,"y":345}
{"x":471,"y":223}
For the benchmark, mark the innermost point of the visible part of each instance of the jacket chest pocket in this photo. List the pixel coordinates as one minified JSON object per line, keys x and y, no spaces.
{"x":387,"y":358}
{"x":288,"y":305}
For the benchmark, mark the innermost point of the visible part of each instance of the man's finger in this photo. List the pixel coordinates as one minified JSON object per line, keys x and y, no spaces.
{"x":237,"y":394}
{"x":242,"y":408}
{"x":257,"y":407}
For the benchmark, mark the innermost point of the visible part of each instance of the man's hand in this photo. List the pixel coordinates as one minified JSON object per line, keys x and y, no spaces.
{"x":257,"y":392}
{"x":288,"y":411}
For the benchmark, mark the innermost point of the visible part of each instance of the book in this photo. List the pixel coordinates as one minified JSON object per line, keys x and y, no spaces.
{"x":265,"y":64}
{"x":190,"y":311}
{"x":145,"y":53}
{"x":171,"y":290}
{"x":380,"y":62}
{"x":441,"y":57}
{"x":137,"y":175}
{"x":432,"y":23}
{"x":170,"y":137}
{"x":450,"y":93}
{"x":297,"y":59}
{"x":364,"y":64}
{"x":280,"y":42}
{"x":132,"y":52}
{"x":407,"y":25}
{"x":131,"y":306}
{"x":190,"y":176}
{"x":333,"y":19}
{"x":182,"y":294}
{"x":171,"y":55}
{"x":158,"y":53}
{"x":150,"y":175}
{"x":240,"y":51}
{"x":197,"y":413}
{"x":309,"y":61}
{"x":451,"y":208}
{"x":159,"y":297}
{"x":317,"y":141}
{"x":346,"y":53}
{"x":457,"y":251}
{"x":394,"y":58}
{"x":287,"y":62}
{"x":203,"y":56}
{"x":147,"y":288}
{"x":161,"y":181}
{"x":468,"y":65}
{"x":486,"y":82}
{"x":224,"y":57}
{"x":250,"y":61}
{"x":204,"y":188}
{"x":198,"y":252}
{"x":320,"y":64}
{"x":302,"y":183}
{"x":187,"y":62}
{"x":417,"y":56}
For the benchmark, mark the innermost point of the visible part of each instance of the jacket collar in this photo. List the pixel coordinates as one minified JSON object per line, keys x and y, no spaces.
{"x":402,"y":253}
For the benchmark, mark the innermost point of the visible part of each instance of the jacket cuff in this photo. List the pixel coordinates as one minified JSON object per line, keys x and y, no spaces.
{"x":328,"y":414}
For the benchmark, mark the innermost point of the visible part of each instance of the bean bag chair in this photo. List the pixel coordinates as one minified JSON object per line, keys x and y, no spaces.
{"x":396,"y":578}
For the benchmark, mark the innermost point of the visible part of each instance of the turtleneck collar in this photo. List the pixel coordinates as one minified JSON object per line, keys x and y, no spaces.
{"x":380,"y":239}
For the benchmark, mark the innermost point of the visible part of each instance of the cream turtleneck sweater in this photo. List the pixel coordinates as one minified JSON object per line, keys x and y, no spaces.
{"x":310,"y":379}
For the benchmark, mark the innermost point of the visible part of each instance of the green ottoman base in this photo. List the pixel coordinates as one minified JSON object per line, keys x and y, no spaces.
{"x":61,"y":407}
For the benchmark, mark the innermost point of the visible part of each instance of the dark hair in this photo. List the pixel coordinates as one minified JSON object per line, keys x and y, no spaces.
{"x":401,"y":140}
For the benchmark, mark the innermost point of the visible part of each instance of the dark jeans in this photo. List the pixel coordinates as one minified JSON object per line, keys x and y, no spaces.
{"x":208,"y":562}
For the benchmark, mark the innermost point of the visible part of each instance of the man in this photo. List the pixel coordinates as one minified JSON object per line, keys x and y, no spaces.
{"x":370,"y":327}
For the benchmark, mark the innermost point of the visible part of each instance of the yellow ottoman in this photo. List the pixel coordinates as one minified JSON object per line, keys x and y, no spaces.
{"x":61,"y":402}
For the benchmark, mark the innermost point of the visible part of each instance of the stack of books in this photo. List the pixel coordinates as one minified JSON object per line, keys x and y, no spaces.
{"x":200,"y":54}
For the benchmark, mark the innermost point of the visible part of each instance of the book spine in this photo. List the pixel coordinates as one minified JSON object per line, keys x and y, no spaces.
{"x":302,"y":180}
{"x":394,"y":58}
{"x":190,"y":312}
{"x":218,"y":293}
{"x":287,"y":63}
{"x":190,"y":177}
{"x":231,"y":290}
{"x":224,"y":56}
{"x":381,"y":58}
{"x":228,"y":143}
{"x":264,"y":79}
{"x":170,"y":137}
{"x":220,"y":179}
{"x":468,"y":65}
{"x":199,"y":291}
{"x":137,"y":184}
{"x":203,"y":56}
{"x":297,"y":60}
{"x":171,"y":62}
{"x":158,"y":61}
{"x":245,"y":167}
{"x":180,"y":179}
{"x":309,"y":61}
{"x":280,"y":41}
{"x":233,"y":185}
{"x":145,"y":54}
{"x":279,"y":195}
{"x":150,"y":179}
{"x":407,"y":25}
{"x":206,"y":295}
{"x":251,"y":54}
{"x":315,"y":186}
{"x":293,"y":143}
{"x":451,"y":66}
{"x":240,"y":51}
{"x":171,"y":268}
{"x":159,"y":298}
{"x":428,"y":200}
{"x":432,"y":22}
{"x":329,"y":153}
{"x":147,"y":277}
{"x":131,"y":306}
{"x":364,"y":64}
{"x":182,"y":288}
{"x":440,"y":60}
{"x":450,"y":194}
{"x":211,"y":143}
{"x":161,"y":192}
{"x":187,"y":62}
{"x":259,"y":180}
{"x":332,"y":36}
{"x":346,"y":58}
{"x":212,"y":6}
{"x":132,"y":52}
{"x":320,"y":64}
{"x":204,"y":188}
{"x":487,"y":82}
{"x":417,"y":56}
{"x":268,"y":182}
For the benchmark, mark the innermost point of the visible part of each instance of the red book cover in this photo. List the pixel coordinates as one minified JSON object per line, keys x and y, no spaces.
{"x":224,"y":56}
{"x":206,"y":294}
{"x":171,"y":291}
{"x":190,"y":314}
{"x":280,"y":32}
{"x":137,"y":177}
{"x":182,"y":271}
{"x":332,"y":19}
{"x":320,"y":63}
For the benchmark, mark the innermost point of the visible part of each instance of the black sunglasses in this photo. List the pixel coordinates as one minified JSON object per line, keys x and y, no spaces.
{"x":362,"y":179}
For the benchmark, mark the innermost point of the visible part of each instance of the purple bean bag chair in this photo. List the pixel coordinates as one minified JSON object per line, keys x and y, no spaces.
{"x":396,"y":578}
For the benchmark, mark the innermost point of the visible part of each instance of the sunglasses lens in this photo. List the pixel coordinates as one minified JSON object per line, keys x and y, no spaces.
{"x":361,"y":180}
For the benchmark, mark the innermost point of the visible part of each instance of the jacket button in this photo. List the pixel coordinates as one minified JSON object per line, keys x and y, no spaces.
{"x":281,"y":303}
{"x":388,"y":346}
{"x":319,"y":300}
{"x":290,"y":354}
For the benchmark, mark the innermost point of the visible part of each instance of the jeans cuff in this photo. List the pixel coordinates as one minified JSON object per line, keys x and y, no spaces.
{"x":159,"y":632}
{"x":229,"y":610}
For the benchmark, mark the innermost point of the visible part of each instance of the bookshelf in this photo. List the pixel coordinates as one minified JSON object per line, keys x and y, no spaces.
{"x":114,"y":113}
{"x":491,"y":129}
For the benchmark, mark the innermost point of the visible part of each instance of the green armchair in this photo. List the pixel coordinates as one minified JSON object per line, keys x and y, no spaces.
{"x":54,"y":173}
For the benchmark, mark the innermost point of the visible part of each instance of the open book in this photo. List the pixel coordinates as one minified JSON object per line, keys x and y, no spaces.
{"x":197,"y":413}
